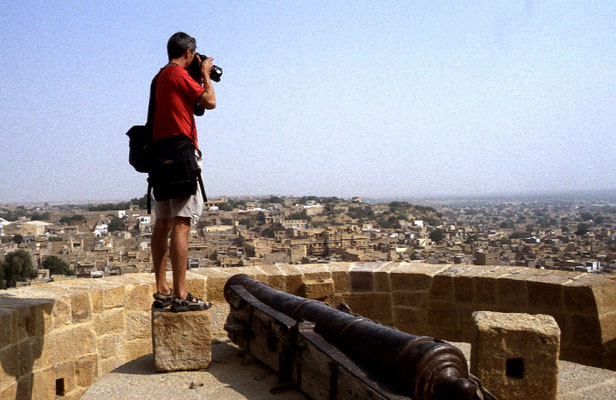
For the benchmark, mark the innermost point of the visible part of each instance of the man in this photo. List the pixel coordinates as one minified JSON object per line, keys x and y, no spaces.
{"x":176,"y":95}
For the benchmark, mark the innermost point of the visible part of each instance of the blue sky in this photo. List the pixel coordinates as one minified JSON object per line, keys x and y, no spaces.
{"x":377,"y":99}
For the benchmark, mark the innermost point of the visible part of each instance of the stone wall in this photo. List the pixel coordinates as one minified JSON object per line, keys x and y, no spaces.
{"x":59,"y":337}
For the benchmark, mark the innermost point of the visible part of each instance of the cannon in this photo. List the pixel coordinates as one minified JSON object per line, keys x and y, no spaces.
{"x":326,"y":351}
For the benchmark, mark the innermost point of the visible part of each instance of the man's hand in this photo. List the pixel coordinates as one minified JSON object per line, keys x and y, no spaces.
{"x":208,"y":98}
{"x":206,"y":67}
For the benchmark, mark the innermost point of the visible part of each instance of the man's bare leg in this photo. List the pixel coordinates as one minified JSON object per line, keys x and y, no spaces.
{"x":180,"y":228}
{"x":160,"y":238}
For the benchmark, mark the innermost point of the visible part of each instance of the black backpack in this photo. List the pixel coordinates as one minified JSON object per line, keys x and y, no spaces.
{"x":170,"y":163}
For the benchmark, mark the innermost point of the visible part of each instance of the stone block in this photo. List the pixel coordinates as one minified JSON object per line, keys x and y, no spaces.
{"x":6,"y":328}
{"x":362,"y":281}
{"x":81,"y":309}
{"x":110,"y":346}
{"x":72,"y":343}
{"x":315,"y":272}
{"x":442,"y":315}
{"x":342,"y":282}
{"x":138,"y":325}
{"x":96,"y":300}
{"x":463,"y":289}
{"x":410,"y":320}
{"x":484,"y":289}
{"x":114,"y":297}
{"x":410,"y":299}
{"x":376,"y":306}
{"x":585,"y":328}
{"x":216,"y":288}
{"x":86,"y":370}
{"x":317,"y":289}
{"x":293,"y":283}
{"x":61,"y":313}
{"x":110,"y":321}
{"x":408,"y":280}
{"x":43,"y":384}
{"x":139,"y":298}
{"x":9,"y":365}
{"x":66,"y":372}
{"x":516,"y":355}
{"x":110,"y":364}
{"x":543,"y":296}
{"x":512,"y":293}
{"x":381,"y":281}
{"x":442,"y":287}
{"x":181,"y":341}
{"x":137,"y":348}
{"x":196,"y":285}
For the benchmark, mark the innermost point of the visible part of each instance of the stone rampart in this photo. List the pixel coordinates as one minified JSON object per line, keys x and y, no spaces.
{"x":58,"y":338}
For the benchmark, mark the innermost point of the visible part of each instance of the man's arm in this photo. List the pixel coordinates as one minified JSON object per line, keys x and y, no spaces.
{"x":208,"y":99}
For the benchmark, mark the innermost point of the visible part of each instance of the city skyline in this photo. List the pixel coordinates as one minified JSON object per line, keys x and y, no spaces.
{"x":391,"y":100}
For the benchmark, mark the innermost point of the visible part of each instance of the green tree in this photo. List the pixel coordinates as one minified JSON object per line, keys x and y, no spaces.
{"x":582,"y":229}
{"x":18,"y":239}
{"x":17,"y":266}
{"x":116,"y":224}
{"x":225,"y":207}
{"x":437,"y":235}
{"x":56,"y":265}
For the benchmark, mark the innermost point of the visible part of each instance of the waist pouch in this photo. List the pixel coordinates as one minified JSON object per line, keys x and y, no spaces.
{"x":174,"y":171}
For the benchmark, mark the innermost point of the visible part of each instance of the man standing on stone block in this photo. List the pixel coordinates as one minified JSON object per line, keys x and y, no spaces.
{"x":176,"y":94}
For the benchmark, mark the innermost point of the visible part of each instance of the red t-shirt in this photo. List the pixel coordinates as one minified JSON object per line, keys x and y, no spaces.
{"x":176,"y":93}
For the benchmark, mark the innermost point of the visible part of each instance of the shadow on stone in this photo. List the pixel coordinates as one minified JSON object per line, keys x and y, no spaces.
{"x":24,"y":323}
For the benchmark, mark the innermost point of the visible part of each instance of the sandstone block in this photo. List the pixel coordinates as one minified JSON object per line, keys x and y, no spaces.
{"x":9,"y":365}
{"x":410,"y":281}
{"x":317,"y":289}
{"x":516,"y":355}
{"x":110,"y":345}
{"x":545,"y":296}
{"x":181,"y":341}
{"x":138,"y":325}
{"x":6,"y":328}
{"x":442,"y":287}
{"x":66,"y":372}
{"x":410,"y":320}
{"x":110,"y":321}
{"x":139,"y":298}
{"x":381,"y":281}
{"x":376,"y":306}
{"x":80,"y":307}
{"x":512,"y":292}
{"x":86,"y":370}
{"x":61,"y":313}
{"x":43,"y":384}
{"x":410,"y":299}
{"x":114,"y":297}
{"x":137,"y":348}
{"x":96,"y":299}
{"x":342,"y":282}
{"x":362,"y":281}
{"x":110,"y":364}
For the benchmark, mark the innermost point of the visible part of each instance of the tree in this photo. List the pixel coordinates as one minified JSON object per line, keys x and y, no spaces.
{"x":18,"y":239}
{"x":582,"y":229}
{"x":17,"y":266}
{"x":56,"y":265}
{"x":437,"y":235}
{"x":116,"y":224}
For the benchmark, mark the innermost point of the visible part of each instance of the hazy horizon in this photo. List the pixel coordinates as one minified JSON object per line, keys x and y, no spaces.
{"x":393,"y":99}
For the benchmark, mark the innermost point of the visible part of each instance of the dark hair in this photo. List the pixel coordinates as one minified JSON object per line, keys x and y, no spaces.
{"x":178,"y":44}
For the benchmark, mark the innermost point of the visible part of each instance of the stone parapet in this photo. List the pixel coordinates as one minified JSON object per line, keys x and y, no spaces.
{"x":59,"y":337}
{"x":516,"y":355}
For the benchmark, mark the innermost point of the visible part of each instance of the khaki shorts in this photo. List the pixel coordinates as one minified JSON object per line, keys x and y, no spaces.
{"x":189,"y":207}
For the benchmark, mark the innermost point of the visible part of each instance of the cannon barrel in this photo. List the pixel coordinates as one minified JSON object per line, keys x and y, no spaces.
{"x":417,"y":366}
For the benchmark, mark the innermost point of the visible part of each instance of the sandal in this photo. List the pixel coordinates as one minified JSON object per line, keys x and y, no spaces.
{"x":191,"y":303}
{"x":162,"y":300}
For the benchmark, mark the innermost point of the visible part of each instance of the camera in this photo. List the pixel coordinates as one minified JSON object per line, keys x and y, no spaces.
{"x":194,"y":69}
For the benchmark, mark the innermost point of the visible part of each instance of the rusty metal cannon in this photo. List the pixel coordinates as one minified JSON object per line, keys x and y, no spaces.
{"x":331,"y":354}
